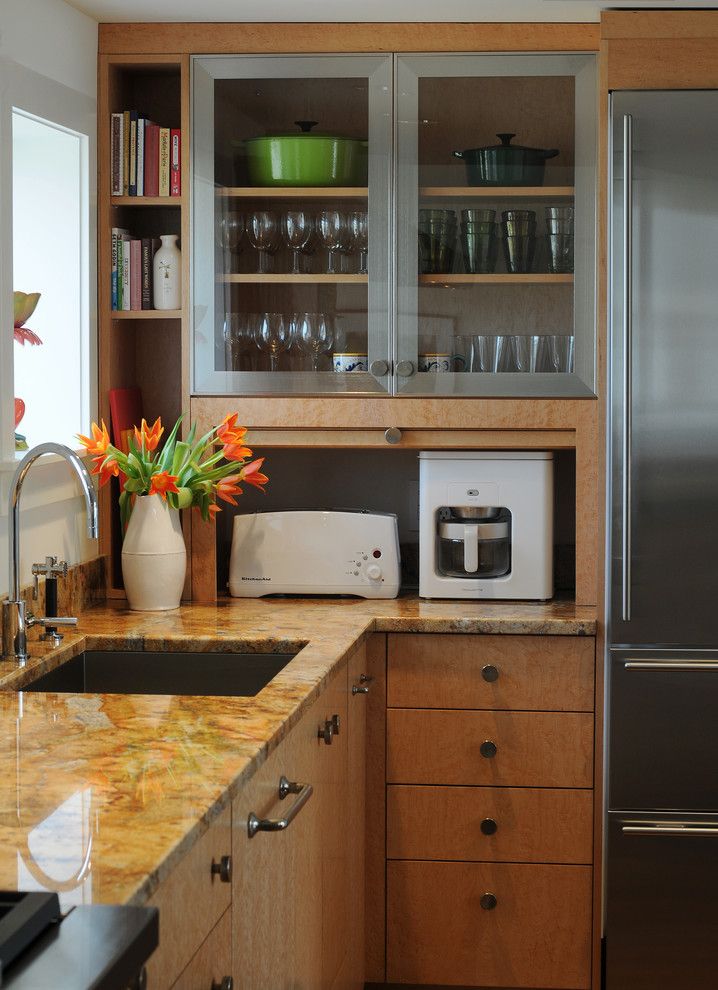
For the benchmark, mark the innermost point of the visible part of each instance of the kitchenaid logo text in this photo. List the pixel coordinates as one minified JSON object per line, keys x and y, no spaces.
{"x":255,"y":579}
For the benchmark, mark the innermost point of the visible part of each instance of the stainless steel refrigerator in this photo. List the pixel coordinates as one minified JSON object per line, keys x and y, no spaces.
{"x":661,"y":906}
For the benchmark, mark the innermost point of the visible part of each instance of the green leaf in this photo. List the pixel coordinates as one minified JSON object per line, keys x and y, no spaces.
{"x":181,"y":455}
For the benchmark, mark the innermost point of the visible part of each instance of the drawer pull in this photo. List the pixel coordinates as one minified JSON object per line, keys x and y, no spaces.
{"x":489,"y":826}
{"x":670,"y":665}
{"x":670,"y":828}
{"x":303,"y":792}
{"x":488,"y":901}
{"x":488,"y":749}
{"x":226,"y":983}
{"x":490,"y":673}
{"x":223,"y":869}
{"x":326,"y":732}
{"x":361,"y":688}
{"x":336,"y":724}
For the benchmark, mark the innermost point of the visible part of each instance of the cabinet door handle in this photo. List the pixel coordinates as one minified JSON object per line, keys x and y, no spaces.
{"x":379,"y":368}
{"x":392,"y":434}
{"x":361,"y":688}
{"x":488,"y":749}
{"x":223,"y":869}
{"x":405,"y":369}
{"x":336,"y":724}
{"x":226,"y":983}
{"x":326,"y":732}
{"x":488,"y":826}
{"x":626,"y":453}
{"x":490,"y":673}
{"x":303,"y":792}
{"x":670,"y":665}
{"x":488,"y":901}
{"x":670,"y":828}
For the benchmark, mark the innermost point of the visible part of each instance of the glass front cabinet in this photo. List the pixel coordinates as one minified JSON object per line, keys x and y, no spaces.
{"x":403,"y":225}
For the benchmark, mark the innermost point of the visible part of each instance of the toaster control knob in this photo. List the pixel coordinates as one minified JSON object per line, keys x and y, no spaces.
{"x":373,"y":572}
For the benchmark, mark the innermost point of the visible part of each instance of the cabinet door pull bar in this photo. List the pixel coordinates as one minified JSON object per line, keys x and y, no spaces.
{"x":303,"y":792}
{"x":670,"y":828}
{"x":671,"y":665}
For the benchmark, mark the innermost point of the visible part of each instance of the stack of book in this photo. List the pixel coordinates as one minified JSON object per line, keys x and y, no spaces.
{"x":145,"y":158}
{"x":132,"y":286}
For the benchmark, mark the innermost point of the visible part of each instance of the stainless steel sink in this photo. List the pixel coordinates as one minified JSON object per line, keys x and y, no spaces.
{"x":147,"y":672}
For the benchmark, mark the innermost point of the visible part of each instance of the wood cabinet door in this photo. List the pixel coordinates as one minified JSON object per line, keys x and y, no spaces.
{"x":212,"y":963}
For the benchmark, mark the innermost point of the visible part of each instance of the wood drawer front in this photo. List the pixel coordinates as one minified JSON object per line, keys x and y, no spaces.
{"x":533,"y":749}
{"x":538,"y":935}
{"x":535,"y":673}
{"x":213,"y":961}
{"x":191,"y":901}
{"x":533,"y":825}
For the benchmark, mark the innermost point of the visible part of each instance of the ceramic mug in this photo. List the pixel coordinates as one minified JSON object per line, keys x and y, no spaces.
{"x":345,"y":361}
{"x":435,"y":362}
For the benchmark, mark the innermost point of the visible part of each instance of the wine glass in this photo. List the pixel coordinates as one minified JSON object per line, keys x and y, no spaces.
{"x":359,"y":229}
{"x":229,"y":234}
{"x":330,"y":228}
{"x":314,"y":334}
{"x":262,"y":231}
{"x":274,"y":335}
{"x":296,"y":230}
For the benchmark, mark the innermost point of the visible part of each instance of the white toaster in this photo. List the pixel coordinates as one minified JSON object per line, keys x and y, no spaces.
{"x":310,"y":552}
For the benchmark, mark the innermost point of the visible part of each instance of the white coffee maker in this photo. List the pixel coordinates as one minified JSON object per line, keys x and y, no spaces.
{"x":486,"y":524}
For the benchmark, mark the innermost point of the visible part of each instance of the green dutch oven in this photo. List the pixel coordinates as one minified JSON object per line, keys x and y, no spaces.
{"x":306,"y":159}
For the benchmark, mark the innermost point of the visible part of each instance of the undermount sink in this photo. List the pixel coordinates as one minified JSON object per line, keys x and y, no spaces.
{"x":145,"y":672}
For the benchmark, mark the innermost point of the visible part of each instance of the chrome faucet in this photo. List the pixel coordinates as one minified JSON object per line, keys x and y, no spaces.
{"x":15,"y":619}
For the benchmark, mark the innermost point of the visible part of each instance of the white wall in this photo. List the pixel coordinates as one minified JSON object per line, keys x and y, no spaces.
{"x":58,"y":42}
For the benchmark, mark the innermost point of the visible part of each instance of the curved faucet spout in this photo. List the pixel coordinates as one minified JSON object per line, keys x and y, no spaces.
{"x":14,"y":503}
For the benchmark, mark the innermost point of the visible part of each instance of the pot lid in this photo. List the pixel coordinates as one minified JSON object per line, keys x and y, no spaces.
{"x":505,"y":140}
{"x":305,"y":127}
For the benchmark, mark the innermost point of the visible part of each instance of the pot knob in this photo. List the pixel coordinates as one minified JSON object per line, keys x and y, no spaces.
{"x":505,"y":139}
{"x":305,"y":126}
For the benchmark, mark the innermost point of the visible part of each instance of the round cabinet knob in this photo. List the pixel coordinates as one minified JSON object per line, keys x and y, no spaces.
{"x":490,"y":673}
{"x":405,"y":369}
{"x":326,"y":732}
{"x":392,"y":435}
{"x":336,"y":724}
{"x":488,"y":749}
{"x":379,"y":368}
{"x":488,"y":901}
{"x":226,"y":983}
{"x":488,"y":826}
{"x":223,"y":869}
{"x":373,"y":572}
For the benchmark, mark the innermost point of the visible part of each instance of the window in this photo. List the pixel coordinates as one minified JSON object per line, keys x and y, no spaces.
{"x":50,"y":239}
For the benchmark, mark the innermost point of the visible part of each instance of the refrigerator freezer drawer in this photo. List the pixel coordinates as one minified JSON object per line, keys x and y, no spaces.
{"x":661,"y":902}
{"x":663,"y":730}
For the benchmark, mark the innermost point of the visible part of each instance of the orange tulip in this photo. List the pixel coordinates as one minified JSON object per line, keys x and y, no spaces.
{"x":252,"y":475}
{"x":228,"y":431}
{"x":163,"y":482}
{"x":236,"y":452}
{"x":97,"y":446}
{"x":227,"y":487}
{"x":106,"y":470}
{"x":150,"y":436}
{"x":213,"y":509}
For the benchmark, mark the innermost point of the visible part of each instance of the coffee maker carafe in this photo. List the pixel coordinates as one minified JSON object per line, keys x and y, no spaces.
{"x":486,"y":524}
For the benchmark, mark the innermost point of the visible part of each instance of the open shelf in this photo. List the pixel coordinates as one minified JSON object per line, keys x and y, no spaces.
{"x":502,"y":278}
{"x":146,"y":200}
{"x":497,"y":192}
{"x":289,"y":279}
{"x":293,"y":192}
{"x":146,"y":314}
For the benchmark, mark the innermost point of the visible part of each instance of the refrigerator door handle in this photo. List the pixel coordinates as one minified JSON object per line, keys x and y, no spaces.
{"x":669,"y":828}
{"x":671,"y":665}
{"x":626,"y":499}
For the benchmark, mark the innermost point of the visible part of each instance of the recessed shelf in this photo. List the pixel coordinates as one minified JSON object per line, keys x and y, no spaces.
{"x":147,"y":200}
{"x":539,"y":278}
{"x":288,"y":279}
{"x":146,"y":314}
{"x":497,"y":192}
{"x":293,"y":192}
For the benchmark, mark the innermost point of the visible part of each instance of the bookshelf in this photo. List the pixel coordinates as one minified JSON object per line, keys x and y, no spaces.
{"x":142,"y":348}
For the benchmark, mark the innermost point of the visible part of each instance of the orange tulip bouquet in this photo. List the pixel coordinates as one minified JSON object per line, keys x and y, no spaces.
{"x":184,"y":473}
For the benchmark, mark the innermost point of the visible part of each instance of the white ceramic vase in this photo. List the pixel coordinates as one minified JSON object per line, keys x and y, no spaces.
{"x":154,"y":556}
{"x":167,"y":274}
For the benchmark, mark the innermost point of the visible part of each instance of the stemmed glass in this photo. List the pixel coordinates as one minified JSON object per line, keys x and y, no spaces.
{"x":314,"y":333}
{"x":297,"y":230}
{"x":262,"y":231}
{"x":359,"y":229}
{"x":274,"y":335}
{"x":330,"y":228}
{"x":230,"y":230}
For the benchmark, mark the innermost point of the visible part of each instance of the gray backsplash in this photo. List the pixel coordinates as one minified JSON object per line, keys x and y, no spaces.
{"x":379,"y":481}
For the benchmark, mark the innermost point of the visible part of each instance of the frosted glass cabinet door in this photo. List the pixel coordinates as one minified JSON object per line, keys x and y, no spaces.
{"x":291,"y":223}
{"x":496,"y":179}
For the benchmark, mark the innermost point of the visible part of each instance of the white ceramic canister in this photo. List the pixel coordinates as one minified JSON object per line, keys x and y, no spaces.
{"x":435,"y":362}
{"x":345,"y":361}
{"x":154,"y":556}
{"x":167,"y":274}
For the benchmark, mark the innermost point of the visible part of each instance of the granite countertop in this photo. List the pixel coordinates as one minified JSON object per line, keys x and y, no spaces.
{"x":100,"y":795}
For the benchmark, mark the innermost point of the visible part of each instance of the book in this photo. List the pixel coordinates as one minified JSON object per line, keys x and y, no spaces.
{"x":116,"y":131}
{"x":135,"y":274}
{"x":152,"y":159}
{"x":125,"y":413}
{"x":122,"y":236}
{"x":132,"y":183}
{"x":149,"y":246}
{"x":125,"y":284}
{"x":175,"y":162}
{"x":117,"y":233}
{"x":141,"y":156}
{"x":164,"y":161}
{"x":125,"y":151}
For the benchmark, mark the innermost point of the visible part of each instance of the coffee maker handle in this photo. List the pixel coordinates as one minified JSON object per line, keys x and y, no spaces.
{"x":471,"y":549}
